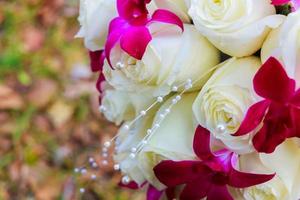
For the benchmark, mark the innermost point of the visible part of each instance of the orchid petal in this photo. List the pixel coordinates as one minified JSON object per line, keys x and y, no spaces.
{"x":117,"y":24}
{"x":153,"y":193}
{"x":135,"y":40}
{"x":295,"y":101}
{"x":201,"y":143}
{"x":253,"y":118}
{"x":132,"y":9}
{"x":239,"y":179}
{"x":219,"y":192}
{"x":170,"y":193}
{"x":97,"y":60}
{"x":270,"y":136}
{"x":279,"y":2}
{"x":101,"y":78}
{"x":295,"y":114}
{"x":111,"y":41}
{"x":131,"y":185}
{"x":172,"y":173}
{"x":272,"y":82}
{"x":165,"y":16}
{"x":196,"y":190}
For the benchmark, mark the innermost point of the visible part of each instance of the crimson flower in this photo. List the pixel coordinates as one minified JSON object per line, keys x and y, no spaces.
{"x":97,"y":60}
{"x":152,"y":192}
{"x":295,"y":3}
{"x":130,"y":28}
{"x":279,"y":112}
{"x":208,"y":177}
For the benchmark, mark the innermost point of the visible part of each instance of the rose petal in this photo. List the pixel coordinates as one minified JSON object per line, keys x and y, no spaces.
{"x":196,"y":190}
{"x":272,"y":82}
{"x":201,"y":143}
{"x":241,"y":179}
{"x":173,"y":173}
{"x":218,"y":193}
{"x":135,"y":40}
{"x":97,"y":60}
{"x":165,"y":16}
{"x":153,"y":193}
{"x":253,"y":118}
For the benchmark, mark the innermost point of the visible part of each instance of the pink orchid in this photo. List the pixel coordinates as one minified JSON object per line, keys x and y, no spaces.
{"x":279,"y":112}
{"x":208,"y":177}
{"x":152,"y":192}
{"x":295,"y":3}
{"x":130,"y":28}
{"x":97,"y":60}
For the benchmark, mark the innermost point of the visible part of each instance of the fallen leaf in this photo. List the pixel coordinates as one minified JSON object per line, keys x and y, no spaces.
{"x":9,"y":99}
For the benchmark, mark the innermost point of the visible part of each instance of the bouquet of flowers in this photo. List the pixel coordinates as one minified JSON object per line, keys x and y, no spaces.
{"x":205,"y":93}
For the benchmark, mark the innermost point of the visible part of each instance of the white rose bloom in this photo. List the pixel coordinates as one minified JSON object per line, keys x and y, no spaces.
{"x":178,"y":7}
{"x":119,"y":106}
{"x":172,"y":140}
{"x":224,"y":100}
{"x":285,"y":162}
{"x":94,"y":18}
{"x":236,"y":27}
{"x":284,"y":44}
{"x":170,"y":59}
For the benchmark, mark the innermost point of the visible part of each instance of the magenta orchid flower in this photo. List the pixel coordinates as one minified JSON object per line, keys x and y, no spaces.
{"x":130,"y":28}
{"x":294,"y":3}
{"x":152,"y":192}
{"x":97,"y":59}
{"x":279,"y":112}
{"x":209,"y":176}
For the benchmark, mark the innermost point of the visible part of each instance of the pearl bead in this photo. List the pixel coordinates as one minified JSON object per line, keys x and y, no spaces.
{"x":91,"y":160}
{"x":144,"y":142}
{"x":94,"y":165}
{"x":174,"y":88}
{"x":93,"y":176}
{"x":167,"y":111}
{"x":105,"y":155}
{"x":162,"y":116}
{"x":178,"y":97}
{"x":126,"y":127}
{"x":149,"y":131}
{"x":120,"y":65}
{"x":221,"y":128}
{"x":102,"y":108}
{"x":189,"y":81}
{"x":156,"y":125}
{"x":76,"y":170}
{"x":104,"y":149}
{"x":83,"y":171}
{"x":143,"y":112}
{"x":160,"y":99}
{"x":133,"y":149}
{"x":82,"y":190}
{"x":132,"y":155}
{"x":104,"y":162}
{"x":116,"y":167}
{"x":107,"y":144}
{"x":125,"y":180}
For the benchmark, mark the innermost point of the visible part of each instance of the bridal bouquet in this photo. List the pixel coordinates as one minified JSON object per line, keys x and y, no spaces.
{"x":205,"y":93}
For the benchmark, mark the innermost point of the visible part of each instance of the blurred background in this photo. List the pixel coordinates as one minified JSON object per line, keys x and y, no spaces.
{"x":49,"y":119}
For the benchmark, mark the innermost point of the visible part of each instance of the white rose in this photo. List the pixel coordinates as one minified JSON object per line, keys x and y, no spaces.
{"x":94,"y":18}
{"x":172,"y":140}
{"x":178,"y":7}
{"x":119,"y":106}
{"x":284,"y":44}
{"x":238,"y":28}
{"x":224,"y":100}
{"x":285,"y":162}
{"x":170,"y":59}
